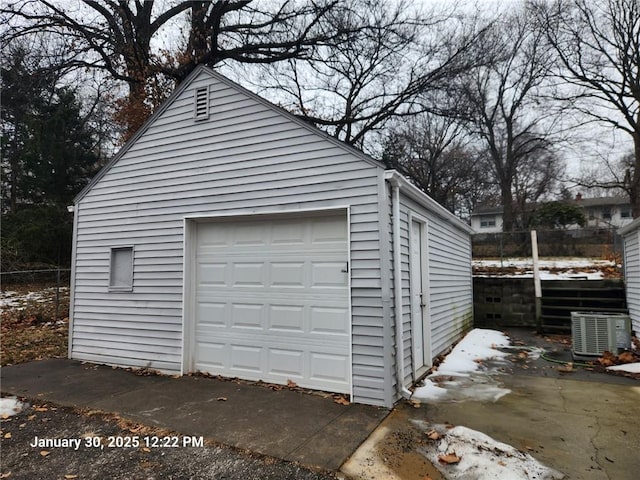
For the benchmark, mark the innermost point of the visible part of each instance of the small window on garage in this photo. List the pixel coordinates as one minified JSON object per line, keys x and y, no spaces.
{"x":121,"y":271}
{"x":201,"y":104}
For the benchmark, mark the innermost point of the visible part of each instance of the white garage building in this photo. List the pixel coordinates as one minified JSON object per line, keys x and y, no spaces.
{"x":631,"y":241}
{"x":231,"y":237}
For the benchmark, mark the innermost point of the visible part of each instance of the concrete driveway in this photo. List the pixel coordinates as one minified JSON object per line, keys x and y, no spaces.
{"x":581,"y":423}
{"x":308,"y":428}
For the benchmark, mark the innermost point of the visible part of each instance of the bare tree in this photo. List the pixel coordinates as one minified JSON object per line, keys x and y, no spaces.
{"x":612,"y":176}
{"x":433,"y":152}
{"x":117,"y":37}
{"x":536,"y":179}
{"x":598,"y":50}
{"x":503,"y":102}
{"x":393,"y":55}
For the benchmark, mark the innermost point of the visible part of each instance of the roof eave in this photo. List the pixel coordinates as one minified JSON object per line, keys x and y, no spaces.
{"x":425,"y":200}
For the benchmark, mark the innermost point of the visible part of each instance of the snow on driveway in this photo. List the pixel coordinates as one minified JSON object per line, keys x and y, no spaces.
{"x":10,"y":406}
{"x":465,"y":454}
{"x":466,"y":373}
{"x":469,"y":373}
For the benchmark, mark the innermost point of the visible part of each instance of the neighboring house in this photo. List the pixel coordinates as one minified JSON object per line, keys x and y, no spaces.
{"x":601,"y":212}
{"x":231,"y":237}
{"x":487,"y":220}
{"x":631,"y":241}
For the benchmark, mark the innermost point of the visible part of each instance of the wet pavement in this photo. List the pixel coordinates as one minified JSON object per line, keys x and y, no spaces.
{"x":582,"y":423}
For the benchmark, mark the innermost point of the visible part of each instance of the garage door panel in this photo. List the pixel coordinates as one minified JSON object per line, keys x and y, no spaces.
{"x":326,"y":230}
{"x":283,"y":362}
{"x":244,"y":315}
{"x":272,"y":301}
{"x":328,"y":367}
{"x":212,"y":274}
{"x":246,"y":358}
{"x":328,"y":274}
{"x":288,"y":274}
{"x":327,"y":320}
{"x":287,"y":318}
{"x":245,"y":274}
{"x":212,"y":313}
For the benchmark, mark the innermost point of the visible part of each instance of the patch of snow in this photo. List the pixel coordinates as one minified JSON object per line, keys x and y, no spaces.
{"x":17,"y":301}
{"x":10,"y":406}
{"x":628,"y":367}
{"x":571,"y":268}
{"x":483,"y":458}
{"x":567,"y":263}
{"x":460,"y":377}
{"x":477,"y":346}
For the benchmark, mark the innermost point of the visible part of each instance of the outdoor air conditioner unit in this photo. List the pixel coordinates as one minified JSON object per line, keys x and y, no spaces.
{"x":593,"y":333}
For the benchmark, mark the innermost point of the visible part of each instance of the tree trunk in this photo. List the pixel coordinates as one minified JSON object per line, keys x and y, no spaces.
{"x":507,"y":207}
{"x":634,"y":188}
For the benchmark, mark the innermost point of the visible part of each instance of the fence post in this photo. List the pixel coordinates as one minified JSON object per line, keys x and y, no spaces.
{"x":536,"y":279}
{"x":57,"y":294}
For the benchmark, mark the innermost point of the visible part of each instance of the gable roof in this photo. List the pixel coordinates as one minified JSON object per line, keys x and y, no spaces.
{"x":230,"y":83}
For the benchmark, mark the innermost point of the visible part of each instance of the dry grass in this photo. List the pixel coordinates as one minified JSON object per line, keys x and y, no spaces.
{"x":29,"y":328}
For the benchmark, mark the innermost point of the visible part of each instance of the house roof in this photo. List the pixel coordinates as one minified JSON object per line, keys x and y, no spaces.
{"x":221,"y":78}
{"x":601,"y":201}
{"x":408,"y":187}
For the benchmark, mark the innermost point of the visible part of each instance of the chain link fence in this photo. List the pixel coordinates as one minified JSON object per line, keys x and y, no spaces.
{"x":602,"y":243}
{"x":53,"y":281}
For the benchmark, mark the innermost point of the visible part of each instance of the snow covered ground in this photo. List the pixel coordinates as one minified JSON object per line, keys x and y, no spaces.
{"x":466,"y":454}
{"x":550,"y":268}
{"x":10,"y":406}
{"x":18,"y":301}
{"x":629,"y":367}
{"x":469,"y":373}
{"x":465,"y":374}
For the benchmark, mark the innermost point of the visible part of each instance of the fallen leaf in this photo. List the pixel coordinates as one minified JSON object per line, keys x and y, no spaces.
{"x":222,"y":399}
{"x":31,"y":417}
{"x":22,"y":425}
{"x":502,"y":464}
{"x":7,"y":435}
{"x":5,"y":416}
{"x":5,"y":475}
{"x":449,"y":458}
{"x":41,"y":409}
{"x":70,"y":477}
{"x":342,"y":401}
{"x":44,"y":453}
{"x":146,"y":449}
{"x":568,"y":368}
{"x":433,"y":435}
{"x":626,"y":357}
{"x":291,"y":384}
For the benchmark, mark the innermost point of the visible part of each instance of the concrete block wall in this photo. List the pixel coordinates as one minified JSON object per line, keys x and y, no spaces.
{"x":504,"y":302}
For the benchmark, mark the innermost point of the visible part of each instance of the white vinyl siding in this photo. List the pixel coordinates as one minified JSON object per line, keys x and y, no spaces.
{"x":632,"y":275}
{"x":450,"y":287}
{"x":248,"y":158}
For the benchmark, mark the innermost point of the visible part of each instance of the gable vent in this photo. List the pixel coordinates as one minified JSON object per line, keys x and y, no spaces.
{"x":201,"y":107}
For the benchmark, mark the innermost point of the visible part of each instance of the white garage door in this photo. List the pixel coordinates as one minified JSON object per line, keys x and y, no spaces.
{"x":272,"y":300}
